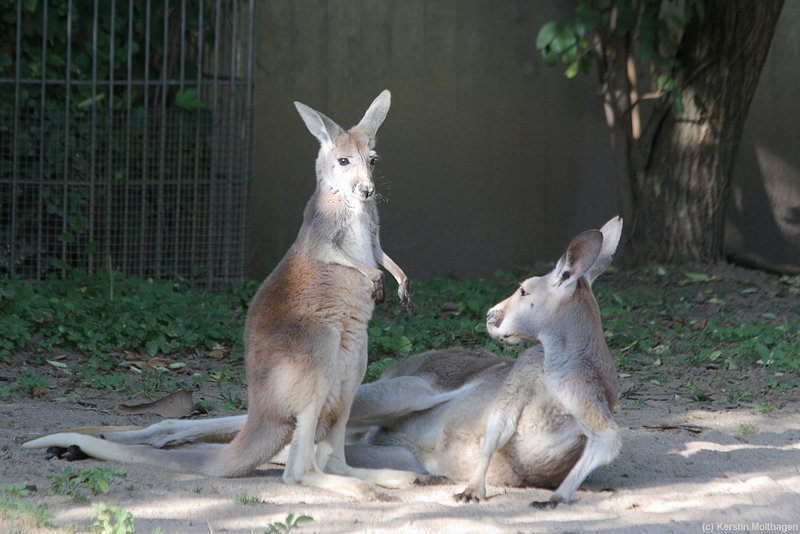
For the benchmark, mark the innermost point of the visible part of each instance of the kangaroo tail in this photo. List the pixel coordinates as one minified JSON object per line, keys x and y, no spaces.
{"x":256,"y":443}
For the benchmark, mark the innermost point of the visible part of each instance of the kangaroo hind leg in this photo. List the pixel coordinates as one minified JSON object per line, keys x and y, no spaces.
{"x":302,"y":467}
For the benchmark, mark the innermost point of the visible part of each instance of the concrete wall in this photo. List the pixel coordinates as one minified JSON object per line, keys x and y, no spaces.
{"x":764,"y":211}
{"x":489,"y":158}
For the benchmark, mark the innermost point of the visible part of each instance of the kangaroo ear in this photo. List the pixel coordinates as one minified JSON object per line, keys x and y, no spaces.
{"x":376,"y":113}
{"x":611,"y":231}
{"x":579,"y":257}
{"x":320,"y":126}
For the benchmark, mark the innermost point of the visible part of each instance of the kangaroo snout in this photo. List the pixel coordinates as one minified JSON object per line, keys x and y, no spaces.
{"x":365,"y":189}
{"x":494,"y":318}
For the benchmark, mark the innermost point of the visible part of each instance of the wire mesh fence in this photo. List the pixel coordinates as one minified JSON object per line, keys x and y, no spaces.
{"x":125,"y":131}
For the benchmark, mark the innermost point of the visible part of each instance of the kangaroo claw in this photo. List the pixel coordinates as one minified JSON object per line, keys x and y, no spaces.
{"x":467,"y":496}
{"x":405,"y":297}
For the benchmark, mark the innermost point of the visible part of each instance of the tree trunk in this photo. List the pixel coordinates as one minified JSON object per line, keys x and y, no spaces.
{"x":680,"y":197}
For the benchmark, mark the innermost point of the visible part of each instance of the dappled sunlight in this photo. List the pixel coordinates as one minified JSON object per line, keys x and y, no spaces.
{"x":693,"y":447}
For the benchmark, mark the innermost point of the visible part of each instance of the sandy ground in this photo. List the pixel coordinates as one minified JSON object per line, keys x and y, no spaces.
{"x":684,"y":467}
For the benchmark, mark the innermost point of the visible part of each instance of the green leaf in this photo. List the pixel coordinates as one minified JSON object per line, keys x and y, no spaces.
{"x":77,"y":222}
{"x":29,"y":5}
{"x":677,"y":101}
{"x":188,"y":100}
{"x":565,"y":40}
{"x":546,"y":35}
{"x":587,"y":16}
{"x":624,"y":17}
{"x":550,"y":58}
{"x":572,"y":70}
{"x":87,"y":102}
{"x":701,"y":277}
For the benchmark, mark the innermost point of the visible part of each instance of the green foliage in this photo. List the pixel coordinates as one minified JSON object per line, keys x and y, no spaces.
{"x":13,"y":506}
{"x":448,"y":312}
{"x":648,"y":316}
{"x":67,"y":481}
{"x":291,"y":523}
{"x":653,"y":26}
{"x":112,"y":520}
{"x":242,"y":498}
{"x":640,"y":326}
{"x":31,"y":384}
{"x":92,"y":136}
{"x":747,"y":429}
{"x":111,"y":32}
{"x":106,"y":313}
{"x":232,"y":402}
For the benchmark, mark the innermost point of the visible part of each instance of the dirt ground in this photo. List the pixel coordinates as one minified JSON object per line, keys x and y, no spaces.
{"x":689,"y":463}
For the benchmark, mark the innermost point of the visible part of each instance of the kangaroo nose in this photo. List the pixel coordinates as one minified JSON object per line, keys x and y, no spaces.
{"x":494,"y":317}
{"x":366,"y":189}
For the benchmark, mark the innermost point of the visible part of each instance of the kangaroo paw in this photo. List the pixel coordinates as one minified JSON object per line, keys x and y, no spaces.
{"x":405,"y":297}
{"x":379,"y":288}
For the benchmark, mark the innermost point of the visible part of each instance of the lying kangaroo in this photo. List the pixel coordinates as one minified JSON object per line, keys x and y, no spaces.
{"x":306,"y":332}
{"x":544,"y":418}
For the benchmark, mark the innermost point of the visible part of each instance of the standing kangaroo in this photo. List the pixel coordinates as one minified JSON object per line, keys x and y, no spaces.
{"x":544,"y":420}
{"x":305,"y":334}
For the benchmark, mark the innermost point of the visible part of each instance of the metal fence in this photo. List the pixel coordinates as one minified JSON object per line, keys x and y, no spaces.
{"x":125,"y":137}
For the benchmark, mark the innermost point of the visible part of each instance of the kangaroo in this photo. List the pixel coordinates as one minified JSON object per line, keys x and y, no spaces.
{"x":545,"y":419}
{"x":542,"y":420}
{"x":305,"y":333}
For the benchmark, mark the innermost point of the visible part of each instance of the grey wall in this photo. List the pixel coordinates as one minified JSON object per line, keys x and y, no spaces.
{"x":489,"y":158}
{"x":764,"y":211}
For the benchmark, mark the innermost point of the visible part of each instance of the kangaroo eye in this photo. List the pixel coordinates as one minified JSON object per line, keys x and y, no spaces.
{"x":522,"y":292}
{"x":373,"y":161}
{"x":344,"y":161}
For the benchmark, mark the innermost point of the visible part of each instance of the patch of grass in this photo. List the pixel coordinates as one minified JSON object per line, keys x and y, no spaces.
{"x":242,"y":498}
{"x":31,"y":384}
{"x":68,"y":481}
{"x":291,"y":523}
{"x":157,"y":382}
{"x":232,"y":402}
{"x":112,"y":520}
{"x":747,"y":429}
{"x":101,"y":313}
{"x":762,"y":408}
{"x":639,"y":322}
{"x":15,"y":509}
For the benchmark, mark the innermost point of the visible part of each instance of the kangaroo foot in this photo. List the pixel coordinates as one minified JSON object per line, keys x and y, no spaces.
{"x":542,"y":505}
{"x":468,"y":495}
{"x":70,"y":454}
